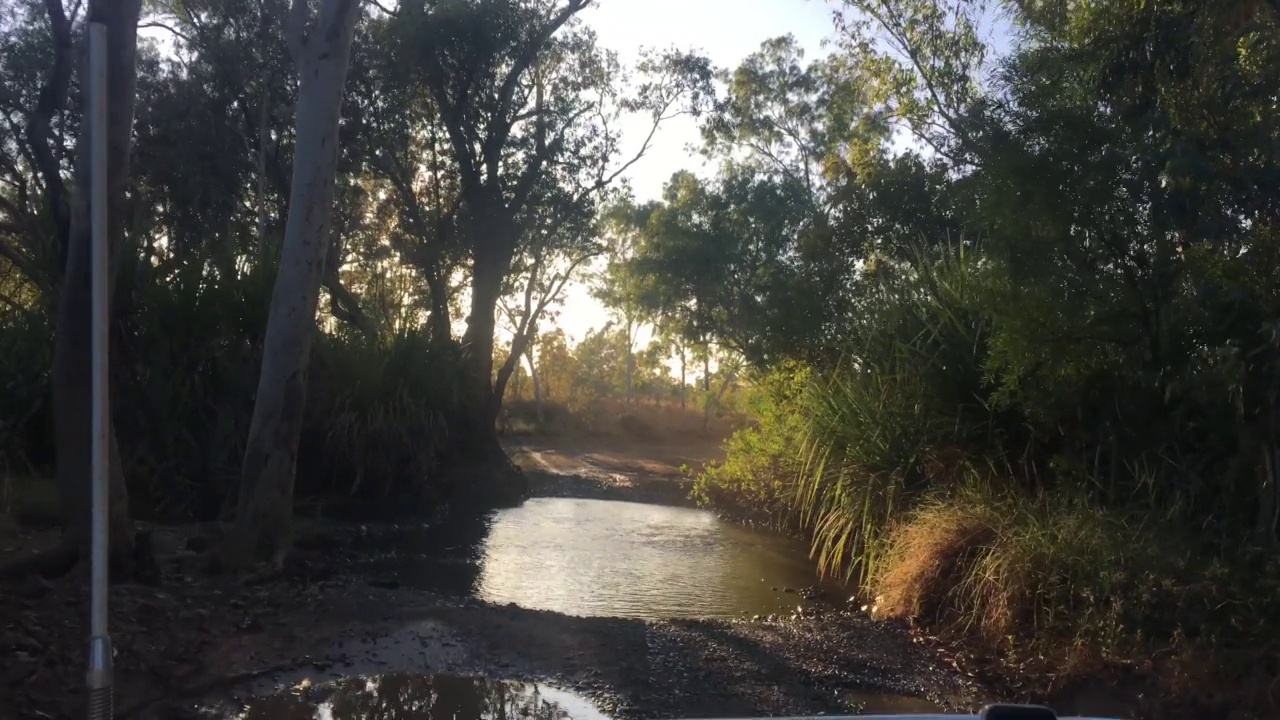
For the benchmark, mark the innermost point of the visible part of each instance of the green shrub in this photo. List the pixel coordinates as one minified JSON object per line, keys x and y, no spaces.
{"x":29,"y":500}
{"x":843,"y":452}
{"x":26,"y":346}
{"x":378,"y":418}
{"x":185,"y":363}
{"x":1062,"y":500}
{"x":760,"y":460}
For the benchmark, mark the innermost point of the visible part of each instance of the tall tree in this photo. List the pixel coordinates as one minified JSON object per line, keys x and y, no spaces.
{"x":397,"y":131}
{"x":543,"y":287}
{"x":618,"y":287}
{"x":320,"y":43}
{"x":531,"y":111}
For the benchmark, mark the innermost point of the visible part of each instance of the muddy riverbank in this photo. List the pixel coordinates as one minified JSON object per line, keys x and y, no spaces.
{"x":209,"y":642}
{"x":632,"y":668}
{"x":196,"y":640}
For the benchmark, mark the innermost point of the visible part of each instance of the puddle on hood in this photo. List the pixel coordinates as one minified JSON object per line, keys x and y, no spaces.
{"x":405,"y":696}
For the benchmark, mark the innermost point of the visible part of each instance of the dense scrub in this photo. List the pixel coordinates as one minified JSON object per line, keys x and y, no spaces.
{"x":1016,"y":377}
{"x":473,"y":149}
{"x":964,"y":486}
{"x":379,"y":418}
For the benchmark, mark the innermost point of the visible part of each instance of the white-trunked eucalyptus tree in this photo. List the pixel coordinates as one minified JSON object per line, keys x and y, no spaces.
{"x":320,"y":43}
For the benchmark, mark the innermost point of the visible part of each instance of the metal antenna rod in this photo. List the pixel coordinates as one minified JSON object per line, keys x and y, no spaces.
{"x":99,"y":676}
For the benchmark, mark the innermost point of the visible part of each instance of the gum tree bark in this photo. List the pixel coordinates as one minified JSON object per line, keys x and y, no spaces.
{"x":320,"y":43}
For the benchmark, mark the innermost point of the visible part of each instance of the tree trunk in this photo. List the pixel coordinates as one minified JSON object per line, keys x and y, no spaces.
{"x":684,"y":378}
{"x":537,"y":385}
{"x":518,"y":345}
{"x":71,"y":376}
{"x":477,"y":439}
{"x":51,"y":102}
{"x":490,"y":268}
{"x":263,"y":136}
{"x":264,"y":513}
{"x":439,"y":325}
{"x":1268,"y":511}
{"x":483,"y":474}
{"x":1267,"y":519}
{"x":630,"y":367}
{"x":706,"y":390}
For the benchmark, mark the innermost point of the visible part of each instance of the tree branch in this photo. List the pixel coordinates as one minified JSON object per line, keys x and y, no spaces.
{"x":533,"y":170}
{"x":500,"y":131}
{"x":51,"y":101}
{"x":343,"y":304}
{"x":894,"y":26}
{"x":164,"y":26}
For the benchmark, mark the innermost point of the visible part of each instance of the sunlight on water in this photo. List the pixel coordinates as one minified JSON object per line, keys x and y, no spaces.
{"x":438,"y":697}
{"x":599,"y":557}
{"x":453,"y":697}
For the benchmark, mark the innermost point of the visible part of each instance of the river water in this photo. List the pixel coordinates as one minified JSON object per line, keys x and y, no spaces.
{"x":590,"y":558}
{"x":610,"y":558}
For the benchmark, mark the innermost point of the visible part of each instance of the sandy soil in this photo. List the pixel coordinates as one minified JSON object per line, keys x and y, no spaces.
{"x":658,"y":457}
{"x":603,"y":473}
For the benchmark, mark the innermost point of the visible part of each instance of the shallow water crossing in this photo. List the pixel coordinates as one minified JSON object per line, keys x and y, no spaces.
{"x":623,"y":602}
{"x":607,"y":558}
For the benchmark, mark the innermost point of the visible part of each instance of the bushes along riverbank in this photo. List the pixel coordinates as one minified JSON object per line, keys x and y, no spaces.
{"x":1006,"y":501}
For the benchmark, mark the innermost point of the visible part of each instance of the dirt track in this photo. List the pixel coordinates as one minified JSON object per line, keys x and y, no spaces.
{"x":602,"y":475}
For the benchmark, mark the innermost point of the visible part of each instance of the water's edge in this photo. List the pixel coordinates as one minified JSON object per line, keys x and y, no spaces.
{"x":780,"y":652}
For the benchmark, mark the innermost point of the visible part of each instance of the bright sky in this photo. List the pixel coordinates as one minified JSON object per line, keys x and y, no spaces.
{"x":726,"y":31}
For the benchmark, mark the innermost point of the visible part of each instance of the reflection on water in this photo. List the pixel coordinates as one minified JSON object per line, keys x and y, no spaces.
{"x":424,"y":697}
{"x":622,"y":559}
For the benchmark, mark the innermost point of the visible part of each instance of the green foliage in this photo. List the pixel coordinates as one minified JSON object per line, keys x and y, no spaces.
{"x":717,"y":261}
{"x":847,"y":450}
{"x":25,"y":346}
{"x":760,"y":460}
{"x":378,"y":426}
{"x":1038,"y":403}
{"x":445,"y":102}
{"x":589,"y":381}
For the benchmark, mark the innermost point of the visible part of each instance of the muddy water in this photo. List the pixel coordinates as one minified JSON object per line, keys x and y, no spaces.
{"x":453,"y":697}
{"x":608,"y":558}
{"x":594,"y":559}
{"x":433,"y":697}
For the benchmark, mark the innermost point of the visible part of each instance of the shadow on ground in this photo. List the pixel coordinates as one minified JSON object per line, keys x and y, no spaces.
{"x":838,"y":662}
